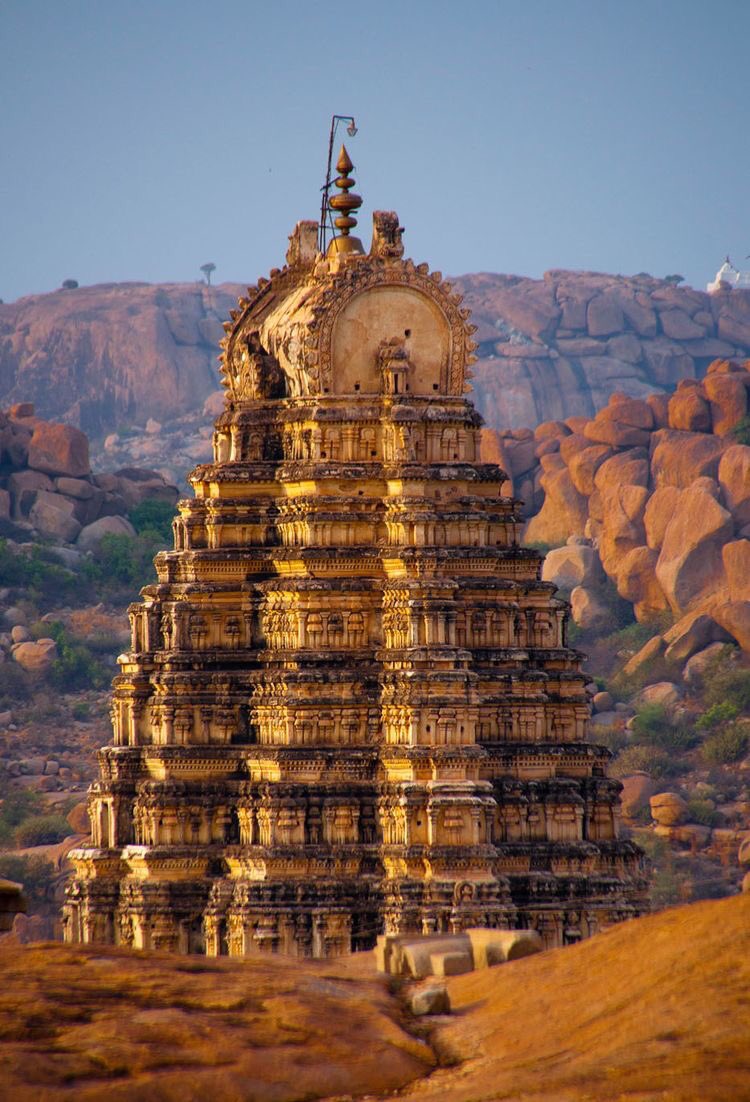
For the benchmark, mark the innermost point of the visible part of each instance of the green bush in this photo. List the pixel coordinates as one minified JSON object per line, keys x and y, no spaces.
{"x":81,"y":710}
{"x":717,"y":714}
{"x":724,"y":682}
{"x":703,"y":812}
{"x":45,"y":581}
{"x":741,"y":431}
{"x":154,"y":516}
{"x":646,"y":759}
{"x":124,"y":562}
{"x":75,"y":666}
{"x":727,"y":745}
{"x":15,"y":683}
{"x":34,"y":873}
{"x":17,"y":805}
{"x":42,"y":830}
{"x":653,"y":726}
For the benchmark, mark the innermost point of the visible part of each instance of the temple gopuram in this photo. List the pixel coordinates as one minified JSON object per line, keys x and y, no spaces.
{"x":348,"y":706}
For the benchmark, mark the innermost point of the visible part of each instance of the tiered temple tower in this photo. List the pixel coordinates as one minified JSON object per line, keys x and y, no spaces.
{"x":348,"y":705}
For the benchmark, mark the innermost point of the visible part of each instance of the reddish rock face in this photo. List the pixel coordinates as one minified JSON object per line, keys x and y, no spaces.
{"x":59,"y":450}
{"x":103,"y":354}
{"x":734,"y":478}
{"x":548,"y":349}
{"x":728,"y":397}
{"x":690,"y":565}
{"x":689,"y":412}
{"x":678,"y":458}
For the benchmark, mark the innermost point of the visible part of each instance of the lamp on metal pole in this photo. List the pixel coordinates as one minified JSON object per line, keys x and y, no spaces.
{"x":325,"y":214}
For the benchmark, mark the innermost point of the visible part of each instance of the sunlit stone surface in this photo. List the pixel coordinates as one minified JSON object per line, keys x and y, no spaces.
{"x":348,"y":707}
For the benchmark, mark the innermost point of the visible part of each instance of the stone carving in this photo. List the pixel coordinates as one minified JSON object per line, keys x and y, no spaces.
{"x":349,"y":708}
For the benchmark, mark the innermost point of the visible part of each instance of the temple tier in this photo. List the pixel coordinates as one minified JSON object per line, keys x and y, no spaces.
{"x":348,"y":705}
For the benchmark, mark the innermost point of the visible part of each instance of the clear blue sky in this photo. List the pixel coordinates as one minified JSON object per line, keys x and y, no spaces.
{"x":141,"y":138}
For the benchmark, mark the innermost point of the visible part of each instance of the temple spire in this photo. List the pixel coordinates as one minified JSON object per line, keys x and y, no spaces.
{"x":344,"y":203}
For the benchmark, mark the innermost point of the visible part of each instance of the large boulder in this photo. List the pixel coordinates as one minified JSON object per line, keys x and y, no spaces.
{"x":53,"y":516}
{"x":734,"y":617}
{"x":736,"y":558}
{"x":664,"y":693}
{"x":689,"y":411}
{"x":584,"y":465}
{"x":59,"y":450}
{"x":630,"y":411}
{"x":587,"y":609}
{"x":35,"y":657}
{"x":690,"y":567}
{"x":622,"y":525}
{"x":604,"y":316}
{"x":637,"y":583}
{"x":637,"y":790}
{"x":627,"y":468}
{"x":563,"y":513}
{"x":678,"y":458}
{"x":691,"y":634}
{"x":696,"y":667}
{"x":734,"y":479}
{"x":668,"y":809}
{"x":137,"y":484}
{"x":604,"y":430}
{"x":23,"y":487}
{"x":659,"y":511}
{"x":728,"y":397}
{"x":570,"y":566}
{"x":92,"y":535}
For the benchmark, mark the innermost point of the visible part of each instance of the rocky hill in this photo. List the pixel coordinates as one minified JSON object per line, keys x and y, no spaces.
{"x":558,"y":347}
{"x":109,"y":357}
{"x":113,"y":354}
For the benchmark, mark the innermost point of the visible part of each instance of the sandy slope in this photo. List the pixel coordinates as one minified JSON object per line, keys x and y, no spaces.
{"x":657,"y":1009}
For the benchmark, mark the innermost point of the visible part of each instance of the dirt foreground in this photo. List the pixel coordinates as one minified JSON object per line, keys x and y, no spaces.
{"x":656,"y":1010}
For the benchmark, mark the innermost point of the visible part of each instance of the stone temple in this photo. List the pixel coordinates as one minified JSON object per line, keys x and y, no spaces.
{"x":349,"y":707}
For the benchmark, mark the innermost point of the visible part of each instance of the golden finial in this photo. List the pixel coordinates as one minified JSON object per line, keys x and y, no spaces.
{"x":344,"y":203}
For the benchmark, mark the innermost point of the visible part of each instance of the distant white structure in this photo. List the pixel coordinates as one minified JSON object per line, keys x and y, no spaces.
{"x":728,"y":277}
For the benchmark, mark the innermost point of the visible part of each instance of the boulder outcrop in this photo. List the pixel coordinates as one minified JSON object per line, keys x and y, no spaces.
{"x":665,"y":512}
{"x":47,"y":488}
{"x":560,"y":346}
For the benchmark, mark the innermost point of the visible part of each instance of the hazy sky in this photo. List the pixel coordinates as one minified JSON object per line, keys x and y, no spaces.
{"x":140,"y":138}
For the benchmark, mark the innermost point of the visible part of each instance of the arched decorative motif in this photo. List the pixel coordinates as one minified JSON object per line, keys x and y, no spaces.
{"x":375,"y":272}
{"x":306,"y":327}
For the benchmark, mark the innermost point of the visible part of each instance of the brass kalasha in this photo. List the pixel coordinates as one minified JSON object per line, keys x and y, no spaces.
{"x":349,"y":705}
